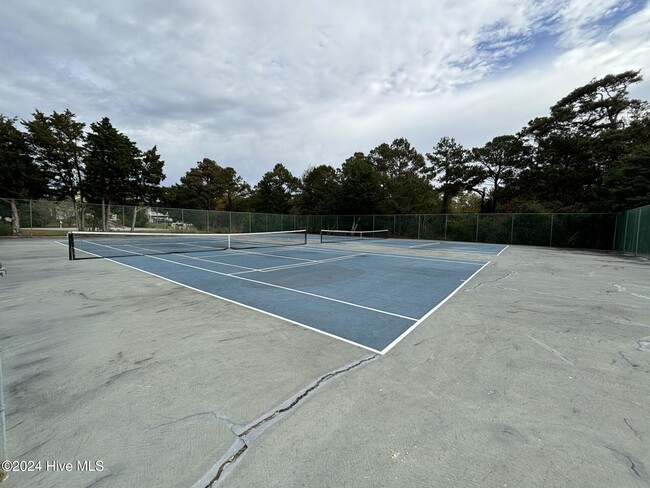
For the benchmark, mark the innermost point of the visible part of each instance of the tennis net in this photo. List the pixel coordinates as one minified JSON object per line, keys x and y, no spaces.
{"x":84,"y":245}
{"x":331,"y":235}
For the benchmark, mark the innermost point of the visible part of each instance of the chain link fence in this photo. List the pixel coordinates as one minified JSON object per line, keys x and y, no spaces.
{"x":588,"y":231}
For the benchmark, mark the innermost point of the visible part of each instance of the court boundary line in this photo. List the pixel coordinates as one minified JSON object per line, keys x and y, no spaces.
{"x":419,"y":246}
{"x":439,"y":249}
{"x":400,"y":256}
{"x":389,"y":242}
{"x":430,"y":312}
{"x":507,"y":246}
{"x":301,"y":265}
{"x":250,"y":307}
{"x":286,"y":288}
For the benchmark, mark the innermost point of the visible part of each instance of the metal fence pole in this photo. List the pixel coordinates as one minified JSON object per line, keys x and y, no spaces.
{"x":230,"y":222}
{"x":625,"y":233}
{"x":3,"y":430}
{"x":638,"y":234}
{"x":477,"y":227}
{"x":418,"y":226}
{"x":550,"y":241}
{"x":512,"y":228}
{"x":31,"y":221}
{"x":445,"y":227}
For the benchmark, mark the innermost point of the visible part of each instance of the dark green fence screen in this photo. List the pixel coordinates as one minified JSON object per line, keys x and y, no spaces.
{"x":633,"y":232}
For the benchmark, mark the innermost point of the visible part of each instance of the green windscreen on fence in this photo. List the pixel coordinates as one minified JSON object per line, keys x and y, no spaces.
{"x":633,"y":232}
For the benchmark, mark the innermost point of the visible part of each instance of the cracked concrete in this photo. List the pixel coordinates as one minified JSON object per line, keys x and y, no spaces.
{"x":156,"y":386}
{"x":247,"y":436}
{"x":538,"y":376}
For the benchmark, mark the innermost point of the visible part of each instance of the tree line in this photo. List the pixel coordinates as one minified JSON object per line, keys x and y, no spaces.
{"x":590,"y":154}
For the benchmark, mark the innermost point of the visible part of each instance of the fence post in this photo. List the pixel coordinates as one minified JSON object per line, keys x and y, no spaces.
{"x":230,"y":222}
{"x":477,"y":227}
{"x":445,"y":227}
{"x":550,"y":243}
{"x":31,"y":227}
{"x":418,"y":226}
{"x":625,"y":233}
{"x":512,"y":228}
{"x":638,"y":233}
{"x":3,"y":430}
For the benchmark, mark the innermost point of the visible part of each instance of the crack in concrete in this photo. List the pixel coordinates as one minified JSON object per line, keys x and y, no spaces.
{"x":483,"y":283}
{"x":250,"y":433}
{"x":632,"y":464}
{"x":628,"y":359}
{"x":550,"y":349}
{"x":631,"y":428}
{"x":220,"y":416}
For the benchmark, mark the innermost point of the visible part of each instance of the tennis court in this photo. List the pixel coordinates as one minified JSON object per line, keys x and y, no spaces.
{"x":368,"y":299}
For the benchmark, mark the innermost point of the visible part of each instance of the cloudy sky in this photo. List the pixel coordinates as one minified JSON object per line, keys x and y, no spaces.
{"x":250,"y":83}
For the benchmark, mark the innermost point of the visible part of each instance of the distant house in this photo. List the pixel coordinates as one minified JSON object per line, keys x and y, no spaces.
{"x":159,"y":218}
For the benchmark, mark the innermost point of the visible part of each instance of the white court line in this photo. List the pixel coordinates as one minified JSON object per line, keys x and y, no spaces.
{"x":106,"y":246}
{"x":171,"y":253}
{"x":502,"y":251}
{"x":410,"y":329}
{"x":453,"y":249}
{"x":235,"y":252}
{"x":424,"y":245}
{"x":205,"y":259}
{"x":248,"y":307}
{"x":272,"y":285}
{"x":399,"y":256}
{"x":248,"y":269}
{"x":300,"y":265}
{"x":133,"y":246}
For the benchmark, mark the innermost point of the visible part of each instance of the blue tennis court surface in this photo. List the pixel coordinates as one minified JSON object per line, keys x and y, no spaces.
{"x":370,"y":299}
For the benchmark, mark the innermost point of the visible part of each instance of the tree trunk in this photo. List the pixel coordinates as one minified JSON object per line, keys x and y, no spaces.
{"x":108,"y":216}
{"x":15,"y":218}
{"x":77,"y":216}
{"x":135,"y":213}
{"x":103,"y":214}
{"x":445,"y":203}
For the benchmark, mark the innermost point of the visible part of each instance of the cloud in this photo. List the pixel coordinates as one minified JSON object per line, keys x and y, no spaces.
{"x":251,"y":83}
